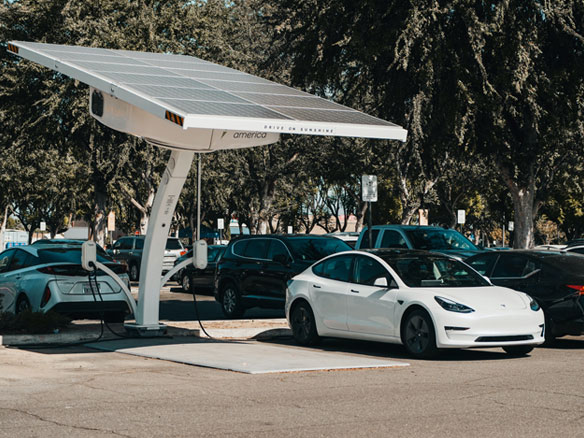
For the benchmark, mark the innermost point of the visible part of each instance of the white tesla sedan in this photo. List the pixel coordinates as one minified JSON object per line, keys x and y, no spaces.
{"x":422,"y":300}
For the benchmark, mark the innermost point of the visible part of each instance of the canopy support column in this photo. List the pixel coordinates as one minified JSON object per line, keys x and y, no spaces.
{"x":173,"y":179}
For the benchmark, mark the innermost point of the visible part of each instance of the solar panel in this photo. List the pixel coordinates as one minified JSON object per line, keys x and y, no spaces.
{"x":205,"y":95}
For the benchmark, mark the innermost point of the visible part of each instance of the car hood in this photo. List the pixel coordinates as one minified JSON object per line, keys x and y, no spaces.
{"x":483,"y":298}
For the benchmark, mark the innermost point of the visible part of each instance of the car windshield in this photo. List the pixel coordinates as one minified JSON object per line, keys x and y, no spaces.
{"x":439,"y":240}
{"x":430,"y":271}
{"x":66,"y":255}
{"x":173,"y":244}
{"x":311,"y":249}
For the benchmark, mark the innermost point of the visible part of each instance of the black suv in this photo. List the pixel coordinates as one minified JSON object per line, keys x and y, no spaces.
{"x":254,"y":269}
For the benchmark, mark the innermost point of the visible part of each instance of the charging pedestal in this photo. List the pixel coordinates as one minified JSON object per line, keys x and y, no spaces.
{"x":173,"y":179}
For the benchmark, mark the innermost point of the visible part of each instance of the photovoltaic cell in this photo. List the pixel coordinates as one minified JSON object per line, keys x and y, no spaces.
{"x":193,"y":87}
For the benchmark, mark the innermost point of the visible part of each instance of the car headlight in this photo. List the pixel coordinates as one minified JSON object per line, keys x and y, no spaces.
{"x":453,"y":306}
{"x":534,"y":305}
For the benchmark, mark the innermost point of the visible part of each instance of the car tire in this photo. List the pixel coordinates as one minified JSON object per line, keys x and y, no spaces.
{"x":22,"y":304}
{"x":186,"y":283}
{"x":550,"y":337}
{"x":518,"y":350}
{"x":418,"y":335}
{"x":134,"y":273}
{"x":231,"y":301}
{"x":304,"y":325}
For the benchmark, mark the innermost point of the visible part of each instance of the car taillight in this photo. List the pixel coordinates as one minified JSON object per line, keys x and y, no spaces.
{"x":66,"y":270}
{"x":576,"y":287}
{"x":46,"y":296}
{"x":182,"y":253}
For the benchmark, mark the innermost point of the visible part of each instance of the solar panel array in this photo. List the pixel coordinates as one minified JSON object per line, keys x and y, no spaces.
{"x":191,"y":86}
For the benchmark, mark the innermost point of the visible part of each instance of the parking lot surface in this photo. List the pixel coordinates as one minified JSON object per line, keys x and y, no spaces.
{"x":82,"y":392}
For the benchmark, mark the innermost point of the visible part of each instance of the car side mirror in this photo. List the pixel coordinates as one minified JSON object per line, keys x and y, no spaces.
{"x":380,"y":282}
{"x":281,"y":258}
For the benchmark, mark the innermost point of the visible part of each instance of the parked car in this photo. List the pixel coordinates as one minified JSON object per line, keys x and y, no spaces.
{"x":71,"y":242}
{"x":554,"y":278}
{"x":434,"y":239}
{"x":199,"y":280}
{"x":50,"y":277}
{"x":423,"y":300}
{"x":254,"y":270}
{"x":128,"y":250}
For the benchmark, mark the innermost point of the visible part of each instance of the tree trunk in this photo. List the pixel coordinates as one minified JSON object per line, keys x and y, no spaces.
{"x":525,"y":208}
{"x":100,"y":217}
{"x":525,"y":211}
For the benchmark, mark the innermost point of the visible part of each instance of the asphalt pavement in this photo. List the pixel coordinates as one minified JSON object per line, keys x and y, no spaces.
{"x":83,"y":392}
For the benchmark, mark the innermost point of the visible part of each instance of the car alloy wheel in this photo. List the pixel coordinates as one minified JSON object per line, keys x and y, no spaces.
{"x":231,"y":302}
{"x":22,"y":305}
{"x":304,"y":325}
{"x":419,"y":338}
{"x":186,"y":282}
{"x":134,"y":273}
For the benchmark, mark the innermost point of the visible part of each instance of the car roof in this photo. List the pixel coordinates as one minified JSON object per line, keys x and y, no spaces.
{"x":398,"y":253}
{"x":534,"y":253}
{"x":406,"y":227}
{"x":284,"y":236}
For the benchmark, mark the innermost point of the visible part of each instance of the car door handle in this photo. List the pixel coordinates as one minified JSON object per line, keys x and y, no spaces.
{"x":316,"y":286}
{"x":354,"y":291}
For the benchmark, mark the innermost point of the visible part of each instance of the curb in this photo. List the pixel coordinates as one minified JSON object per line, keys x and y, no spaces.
{"x":90,"y":332}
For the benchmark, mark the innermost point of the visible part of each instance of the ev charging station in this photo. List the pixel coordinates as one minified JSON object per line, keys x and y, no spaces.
{"x":189,"y":106}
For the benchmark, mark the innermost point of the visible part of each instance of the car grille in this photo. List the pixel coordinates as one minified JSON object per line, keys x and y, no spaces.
{"x":503,"y":338}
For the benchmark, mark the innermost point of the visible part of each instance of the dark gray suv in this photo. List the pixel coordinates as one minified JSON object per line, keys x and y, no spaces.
{"x":128,"y":250}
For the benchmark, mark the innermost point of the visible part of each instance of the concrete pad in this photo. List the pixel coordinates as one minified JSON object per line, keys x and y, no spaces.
{"x":242,"y":356}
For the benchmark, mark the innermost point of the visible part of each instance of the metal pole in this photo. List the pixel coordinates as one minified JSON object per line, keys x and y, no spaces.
{"x":199,"y":198}
{"x":503,"y":229}
{"x":369,"y":226}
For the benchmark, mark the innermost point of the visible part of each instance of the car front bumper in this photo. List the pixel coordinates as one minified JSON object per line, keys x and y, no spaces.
{"x":475,"y":331}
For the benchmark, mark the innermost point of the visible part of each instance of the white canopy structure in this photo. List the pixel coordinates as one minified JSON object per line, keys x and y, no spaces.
{"x":190,"y":105}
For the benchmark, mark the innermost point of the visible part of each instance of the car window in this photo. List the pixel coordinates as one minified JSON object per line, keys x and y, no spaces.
{"x":365,"y":240}
{"x":123,"y":244}
{"x":313,"y":248}
{"x":66,"y":255}
{"x":5,"y":258}
{"x":367,"y":270}
{"x":19,"y":260}
{"x":173,"y":244}
{"x":139,"y":243}
{"x":434,"y":271}
{"x":484,"y":263}
{"x":436,"y":239}
{"x":392,"y":239}
{"x":336,"y":268}
{"x":277,"y":248}
{"x":257,"y":249}
{"x":576,"y":250}
{"x":239,"y":247}
{"x":512,"y":266}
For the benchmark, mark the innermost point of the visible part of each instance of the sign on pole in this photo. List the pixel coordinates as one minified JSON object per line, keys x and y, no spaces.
{"x":43,"y":226}
{"x":290,"y":230}
{"x":511,"y":225}
{"x":111,"y":221}
{"x":221,"y":224}
{"x":369,"y":188}
{"x":461,"y":216}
